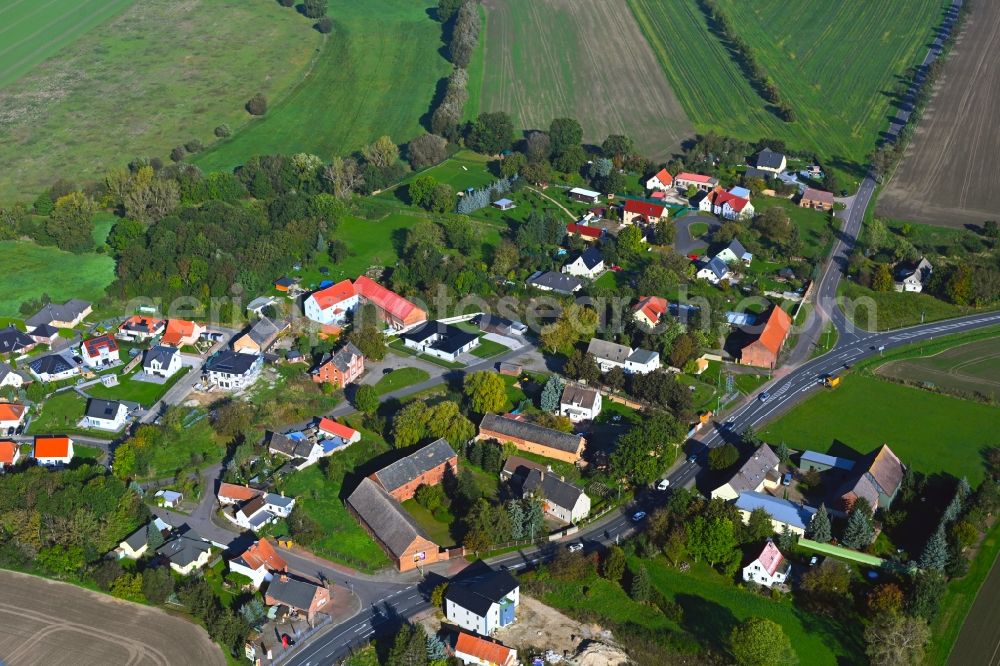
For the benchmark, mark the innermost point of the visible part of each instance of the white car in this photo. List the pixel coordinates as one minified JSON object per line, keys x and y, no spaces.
{"x":575,"y":547}
{"x":663,"y":484}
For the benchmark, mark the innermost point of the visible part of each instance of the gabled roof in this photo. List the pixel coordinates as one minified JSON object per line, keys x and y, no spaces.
{"x":584,"y":230}
{"x":643,"y":208}
{"x":44,"y":331}
{"x":770,"y":558}
{"x":591,"y":257}
{"x":831,"y":461}
{"x":776,"y":327}
{"x":531,"y":432}
{"x":610,"y":351}
{"x":236,"y":492}
{"x":5,"y":370}
{"x":341,"y":359}
{"x":696,"y":178}
{"x":579,"y":396}
{"x":736,"y":247}
{"x":96,"y":346}
{"x":141,"y":324}
{"x":653,"y":307}
{"x":387,"y":300}
{"x":392,"y":524}
{"x":664,"y":177}
{"x":553,"y":489}
{"x":178,"y":329}
{"x":293,"y":592}
{"x":405,"y":470}
{"x":159,"y":353}
{"x":584,"y":192}
{"x":68,"y":311}
{"x":8,"y":451}
{"x":482,"y":649}
{"x":334,"y":294}
{"x":479,"y":590}
{"x":103,"y":409}
{"x":336,"y":429}
{"x":265,"y":331}
{"x":768,"y":159}
{"x":51,"y":447}
{"x":184,"y":548}
{"x":262,"y":554}
{"x":285,"y":445}
{"x":11,"y":411}
{"x":812,"y":194}
{"x":13,"y":340}
{"x":643,"y":356}
{"x":887,"y":470}
{"x":752,"y":472}
{"x":718,"y":267}
{"x":795,"y":515}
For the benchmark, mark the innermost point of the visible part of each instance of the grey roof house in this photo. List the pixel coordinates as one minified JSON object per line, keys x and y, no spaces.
{"x":391,"y":526}
{"x":65,"y":315}
{"x":560,"y":283}
{"x":14,"y":341}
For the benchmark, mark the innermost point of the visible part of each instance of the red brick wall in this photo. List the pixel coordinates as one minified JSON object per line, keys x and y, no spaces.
{"x":431,"y":477}
{"x":758,"y":355}
{"x":531,"y":447}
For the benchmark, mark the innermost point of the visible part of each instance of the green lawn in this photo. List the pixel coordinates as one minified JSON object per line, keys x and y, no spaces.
{"x":321,"y":497}
{"x":810,"y":50}
{"x":462,"y":170}
{"x":375,"y":74}
{"x":930,"y":432}
{"x":31,"y":270}
{"x":167,"y":72}
{"x":145,"y":393}
{"x":60,"y":414}
{"x":400,"y":378}
{"x":31,"y":36}
{"x":815,"y":230}
{"x":885,"y":310}
{"x":488,"y":348}
{"x":698,"y":229}
{"x":438,"y":531}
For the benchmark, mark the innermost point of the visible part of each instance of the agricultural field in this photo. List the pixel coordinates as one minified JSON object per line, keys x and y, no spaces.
{"x":159,"y":74}
{"x":950,"y":173}
{"x":375,"y":74}
{"x":966,"y":369}
{"x":865,"y":412}
{"x":810,"y":50}
{"x":585,"y":59}
{"x":28,"y":273}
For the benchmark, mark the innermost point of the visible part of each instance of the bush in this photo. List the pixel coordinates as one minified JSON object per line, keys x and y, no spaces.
{"x":178,"y":154}
{"x":194,"y":146}
{"x":223,"y":131}
{"x":286,"y":3}
{"x":313,"y":8}
{"x":324,"y":25}
{"x":257,"y":105}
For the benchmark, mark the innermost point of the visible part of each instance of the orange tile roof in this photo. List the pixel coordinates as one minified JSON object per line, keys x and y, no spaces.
{"x":387,"y":300}
{"x":177,"y":330}
{"x":694,"y":177}
{"x":263,"y":554}
{"x":237,"y":493}
{"x":653,"y":307}
{"x":51,"y":447}
{"x":8,"y":450}
{"x":11,"y":411}
{"x":338,"y":429}
{"x":488,"y":651}
{"x":141,"y":324}
{"x":644,"y":208}
{"x":334,"y":294}
{"x":664,"y":177}
{"x":776,"y":329}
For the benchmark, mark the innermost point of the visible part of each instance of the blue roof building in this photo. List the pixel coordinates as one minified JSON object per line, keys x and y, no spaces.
{"x":796,"y":516}
{"x":821,"y":462}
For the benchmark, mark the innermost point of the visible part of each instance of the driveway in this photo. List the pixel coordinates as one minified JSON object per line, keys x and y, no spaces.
{"x":686,"y":244}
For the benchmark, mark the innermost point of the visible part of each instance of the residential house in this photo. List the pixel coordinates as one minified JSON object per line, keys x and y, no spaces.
{"x":650,"y":310}
{"x":162,"y":361}
{"x":136,"y":544}
{"x":482,"y":600}
{"x":233,"y":370}
{"x":817,"y":199}
{"x":504,"y":204}
{"x":257,"y":306}
{"x":67,"y":315}
{"x":715,"y":270}
{"x":180,"y":333}
{"x":820,"y":462}
{"x":661,"y":181}
{"x":532,"y":438}
{"x":186,"y":551}
{"x":584,"y":231}
{"x":735,"y":253}
{"x":230,"y":494}
{"x":685,"y":181}
{"x":260,"y":337}
{"x":10,"y":453}
{"x":11,"y":417}
{"x":44,"y":334}
{"x":642,"y":212}
{"x":770,"y":568}
{"x":913,"y":276}
{"x":105,"y":414}
{"x":560,"y":283}
{"x":291,"y":446}
{"x":491,"y":323}
{"x":763,"y":350}
{"x":589,"y":264}
{"x":754,"y":173}
{"x":168,"y":499}
{"x":138,"y":328}
{"x":54,"y":367}
{"x":298,"y":594}
{"x":100,"y":352}
{"x":784,"y":513}
{"x":10,"y":377}
{"x":440,"y":340}
{"x":15,"y":342}
{"x":562,"y":500}
{"x":477,"y":651}
{"x":757,"y":473}
{"x":263,"y":509}
{"x":330,"y":429}
{"x":580,"y":403}
{"x":585,"y":196}
{"x":340,"y":368}
{"x":702,"y":201}
{"x":740,"y":191}
{"x":878,"y":480}
{"x":259,"y":562}
{"x":732,"y":207}
{"x":333,"y":305}
{"x":612,"y":355}
{"x":397,"y":312}
{"x":392,"y":527}
{"x":428,"y":466}
{"x":770,"y":161}
{"x":53,"y":451}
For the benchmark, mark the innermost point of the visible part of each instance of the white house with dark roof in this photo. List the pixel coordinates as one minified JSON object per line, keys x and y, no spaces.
{"x":769,"y":568}
{"x":13,"y":341}
{"x":232,"y":370}
{"x":714,"y":270}
{"x":784,"y":513}
{"x":54,"y":367}
{"x":561,"y":499}
{"x":580,"y":403}
{"x":770,"y":161}
{"x":136,"y":544}
{"x":105,"y":414}
{"x":162,"y":361}
{"x":589,"y":264}
{"x":613,"y":355}
{"x":735,"y":253}
{"x":559,"y":283}
{"x":912,"y":276}
{"x":10,"y":377}
{"x":482,"y":599}
{"x":186,"y":551}
{"x":440,"y":340}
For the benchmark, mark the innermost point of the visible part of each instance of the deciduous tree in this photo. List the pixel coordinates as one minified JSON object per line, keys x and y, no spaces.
{"x":486,"y":392}
{"x":761,"y":642}
{"x":71,"y":222}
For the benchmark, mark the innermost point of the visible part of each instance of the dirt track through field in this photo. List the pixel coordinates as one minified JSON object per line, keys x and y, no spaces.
{"x":46,"y":623}
{"x":951,"y":172}
{"x":584,"y":59}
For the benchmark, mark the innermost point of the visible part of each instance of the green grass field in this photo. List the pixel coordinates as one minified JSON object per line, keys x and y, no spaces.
{"x":34,"y":32}
{"x":28,"y":273}
{"x":815,"y":230}
{"x":970,"y":368}
{"x":810,"y":50}
{"x":930,"y":432}
{"x":159,"y":74}
{"x":400,"y":378}
{"x":885,"y":310}
{"x":375,"y":74}
{"x":60,"y":414}
{"x":145,"y":393}
{"x":438,"y":531}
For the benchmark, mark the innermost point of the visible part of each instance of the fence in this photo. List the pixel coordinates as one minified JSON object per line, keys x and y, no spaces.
{"x":300,"y":638}
{"x":844,"y":553}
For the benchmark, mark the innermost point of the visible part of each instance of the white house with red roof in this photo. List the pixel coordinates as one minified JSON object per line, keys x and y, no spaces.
{"x":100,"y":352}
{"x":730,"y":206}
{"x":643,"y":212}
{"x":53,"y":451}
{"x":769,"y":568}
{"x":11,"y":416}
{"x":685,"y":180}
{"x":650,"y":310}
{"x":138,"y":328}
{"x":10,"y":453}
{"x":332,"y":306}
{"x":471,"y":649}
{"x":330,"y":428}
{"x":662,"y":181}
